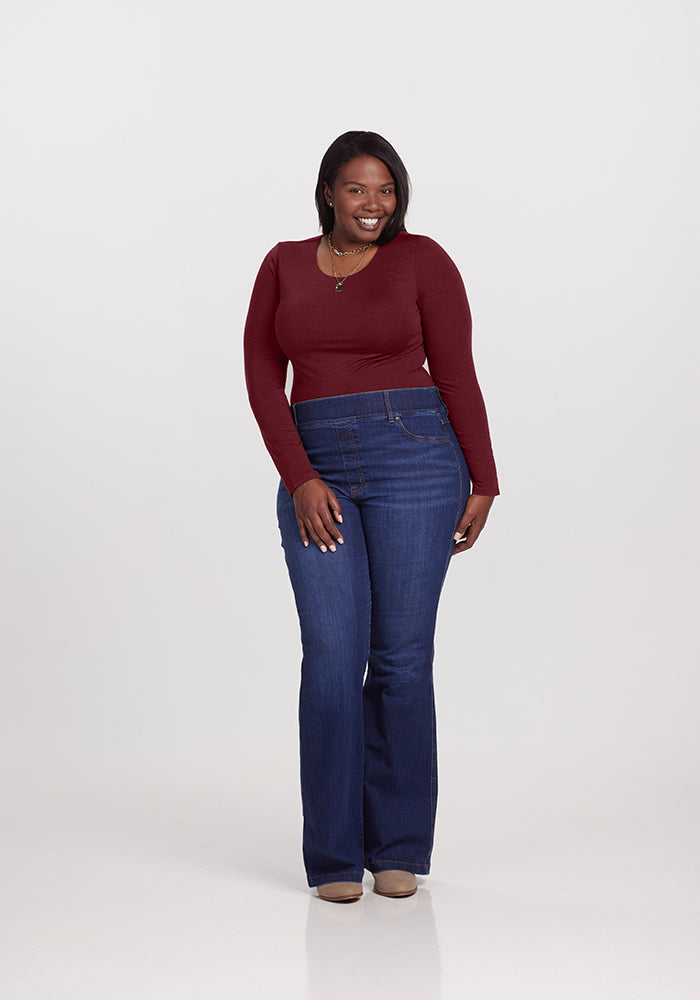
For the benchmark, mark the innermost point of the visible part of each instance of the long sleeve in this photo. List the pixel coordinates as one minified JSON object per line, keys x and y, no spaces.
{"x":408,"y":306}
{"x":447,"y":336}
{"x":266,"y":374}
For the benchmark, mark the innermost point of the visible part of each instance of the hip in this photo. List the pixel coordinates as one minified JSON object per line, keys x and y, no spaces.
{"x":384,"y":443}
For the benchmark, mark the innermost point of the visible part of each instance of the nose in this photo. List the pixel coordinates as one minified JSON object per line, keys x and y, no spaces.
{"x":372,"y":202}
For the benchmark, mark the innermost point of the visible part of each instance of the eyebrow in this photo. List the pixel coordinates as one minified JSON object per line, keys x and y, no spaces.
{"x":360,"y":184}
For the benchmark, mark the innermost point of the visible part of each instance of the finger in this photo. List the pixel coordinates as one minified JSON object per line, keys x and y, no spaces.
{"x":463,"y":528}
{"x":327,"y":529}
{"x":313,"y":525}
{"x":336,"y":508}
{"x":317,"y":530}
{"x":332,"y":528}
{"x":471,"y":536}
{"x":303,"y":533}
{"x":461,"y":547}
{"x":468,"y":540}
{"x":315,"y":537}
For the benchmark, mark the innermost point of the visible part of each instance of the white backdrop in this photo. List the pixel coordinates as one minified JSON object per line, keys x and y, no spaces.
{"x":153,"y":152}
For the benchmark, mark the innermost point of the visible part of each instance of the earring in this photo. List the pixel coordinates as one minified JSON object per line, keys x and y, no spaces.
{"x":330,"y":204}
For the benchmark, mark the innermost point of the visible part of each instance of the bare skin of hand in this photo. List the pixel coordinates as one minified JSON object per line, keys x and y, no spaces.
{"x":318,"y":514}
{"x":473,"y":520}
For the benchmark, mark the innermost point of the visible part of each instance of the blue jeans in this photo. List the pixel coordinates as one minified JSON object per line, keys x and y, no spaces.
{"x":367,"y":613}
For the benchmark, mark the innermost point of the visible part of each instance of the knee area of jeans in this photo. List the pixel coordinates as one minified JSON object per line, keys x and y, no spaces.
{"x":404,"y":686}
{"x":412,"y":657}
{"x":336,"y":633}
{"x":328,"y":689}
{"x":331,"y":680}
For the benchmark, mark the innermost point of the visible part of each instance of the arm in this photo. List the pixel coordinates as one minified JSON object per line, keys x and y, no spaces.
{"x":316,"y":505}
{"x":447,"y":336}
{"x":266,"y":374}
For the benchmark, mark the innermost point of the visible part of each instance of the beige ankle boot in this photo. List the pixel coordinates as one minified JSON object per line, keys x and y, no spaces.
{"x":395,"y":883}
{"x":340,"y":892}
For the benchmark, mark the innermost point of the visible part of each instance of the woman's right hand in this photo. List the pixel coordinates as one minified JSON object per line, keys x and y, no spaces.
{"x":317,"y":511}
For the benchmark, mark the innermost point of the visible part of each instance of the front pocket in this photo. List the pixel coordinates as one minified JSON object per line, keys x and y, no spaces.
{"x":422,"y":426}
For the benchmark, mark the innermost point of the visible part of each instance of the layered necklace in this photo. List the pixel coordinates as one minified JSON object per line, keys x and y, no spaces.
{"x":340,"y":278}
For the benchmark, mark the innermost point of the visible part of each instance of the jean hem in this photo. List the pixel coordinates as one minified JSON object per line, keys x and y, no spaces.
{"x":350,"y":875}
{"x":400,"y":866}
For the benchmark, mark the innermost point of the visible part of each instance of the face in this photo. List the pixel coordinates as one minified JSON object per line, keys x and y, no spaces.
{"x":363,"y":199}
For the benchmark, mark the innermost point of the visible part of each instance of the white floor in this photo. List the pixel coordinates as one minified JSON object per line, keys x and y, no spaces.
{"x":162,"y":886}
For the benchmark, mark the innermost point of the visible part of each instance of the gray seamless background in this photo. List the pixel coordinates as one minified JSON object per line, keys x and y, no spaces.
{"x":153,"y":153}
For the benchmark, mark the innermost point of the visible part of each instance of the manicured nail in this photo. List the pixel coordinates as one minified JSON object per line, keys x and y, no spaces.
{"x":323,"y":548}
{"x":340,"y":518}
{"x":332,"y":548}
{"x":306,"y":545}
{"x":341,"y":542}
{"x":457,"y":536}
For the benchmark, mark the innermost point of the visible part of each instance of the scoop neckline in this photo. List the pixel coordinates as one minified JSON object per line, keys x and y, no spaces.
{"x":317,"y":244}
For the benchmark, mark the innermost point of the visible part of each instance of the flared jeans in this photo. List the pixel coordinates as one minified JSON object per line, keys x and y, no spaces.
{"x":367,"y":613}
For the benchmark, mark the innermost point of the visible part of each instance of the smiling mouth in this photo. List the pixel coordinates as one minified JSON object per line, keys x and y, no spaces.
{"x":370,"y":223}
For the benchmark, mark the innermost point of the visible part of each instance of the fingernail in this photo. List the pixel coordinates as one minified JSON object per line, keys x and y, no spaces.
{"x":332,"y":548}
{"x":323,"y":548}
{"x":457,"y":536}
{"x":306,"y":545}
{"x":340,"y":518}
{"x":341,"y":542}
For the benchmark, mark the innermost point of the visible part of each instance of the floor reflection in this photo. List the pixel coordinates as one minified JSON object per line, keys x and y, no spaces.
{"x":382,"y":947}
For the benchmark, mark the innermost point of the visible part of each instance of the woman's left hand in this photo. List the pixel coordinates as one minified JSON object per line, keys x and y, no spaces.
{"x":473,"y":520}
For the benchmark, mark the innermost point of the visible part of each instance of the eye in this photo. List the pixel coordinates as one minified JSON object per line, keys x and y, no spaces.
{"x":388,"y":191}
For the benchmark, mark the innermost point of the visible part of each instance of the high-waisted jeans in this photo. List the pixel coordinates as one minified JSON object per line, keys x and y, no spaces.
{"x":367,"y":613}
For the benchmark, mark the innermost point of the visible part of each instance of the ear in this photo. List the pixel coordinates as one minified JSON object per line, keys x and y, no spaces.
{"x":327,"y":194}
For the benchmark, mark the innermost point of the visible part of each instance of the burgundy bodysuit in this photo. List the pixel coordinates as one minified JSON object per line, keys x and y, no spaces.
{"x":406,"y":308}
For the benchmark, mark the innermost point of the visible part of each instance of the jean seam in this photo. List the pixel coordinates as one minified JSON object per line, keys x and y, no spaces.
{"x":434,"y":770}
{"x":348,"y":421}
{"x":418,"y":437}
{"x":401,"y":861}
{"x":354,"y":490}
{"x":415,"y":867}
{"x":459,"y":469}
{"x":333,"y":876}
{"x":345,"y":871}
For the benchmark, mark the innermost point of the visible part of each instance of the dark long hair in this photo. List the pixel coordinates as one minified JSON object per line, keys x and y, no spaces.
{"x":345,"y":148}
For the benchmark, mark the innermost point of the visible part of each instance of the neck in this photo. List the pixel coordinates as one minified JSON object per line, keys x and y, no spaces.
{"x":340,"y":243}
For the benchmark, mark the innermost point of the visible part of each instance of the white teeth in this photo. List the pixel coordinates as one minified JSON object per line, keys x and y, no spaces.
{"x":369,"y":222}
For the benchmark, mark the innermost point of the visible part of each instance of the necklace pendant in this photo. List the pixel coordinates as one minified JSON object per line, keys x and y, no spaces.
{"x":339,"y":286}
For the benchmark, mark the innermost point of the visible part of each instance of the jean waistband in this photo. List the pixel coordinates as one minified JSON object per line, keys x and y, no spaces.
{"x":383,"y":403}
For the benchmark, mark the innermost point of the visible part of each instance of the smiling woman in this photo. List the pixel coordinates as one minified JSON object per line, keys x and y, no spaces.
{"x":375,"y":442}
{"x":363,"y":201}
{"x":334,"y":170}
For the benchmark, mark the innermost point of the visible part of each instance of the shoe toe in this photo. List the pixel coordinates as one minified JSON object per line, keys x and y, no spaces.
{"x":395,"y":883}
{"x":340,"y":892}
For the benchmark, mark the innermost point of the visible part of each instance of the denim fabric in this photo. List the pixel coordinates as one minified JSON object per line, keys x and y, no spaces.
{"x":367,"y":614}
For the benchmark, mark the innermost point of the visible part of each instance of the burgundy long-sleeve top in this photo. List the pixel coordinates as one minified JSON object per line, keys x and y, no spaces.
{"x":408,"y":306}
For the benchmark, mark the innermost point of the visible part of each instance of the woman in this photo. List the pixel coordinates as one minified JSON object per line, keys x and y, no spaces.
{"x":374,"y":501}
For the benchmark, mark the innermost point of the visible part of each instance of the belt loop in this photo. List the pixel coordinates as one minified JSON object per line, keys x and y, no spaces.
{"x":387,"y":403}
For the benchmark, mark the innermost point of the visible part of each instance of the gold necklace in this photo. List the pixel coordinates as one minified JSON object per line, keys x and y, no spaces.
{"x":344,"y":253}
{"x":339,"y":279}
